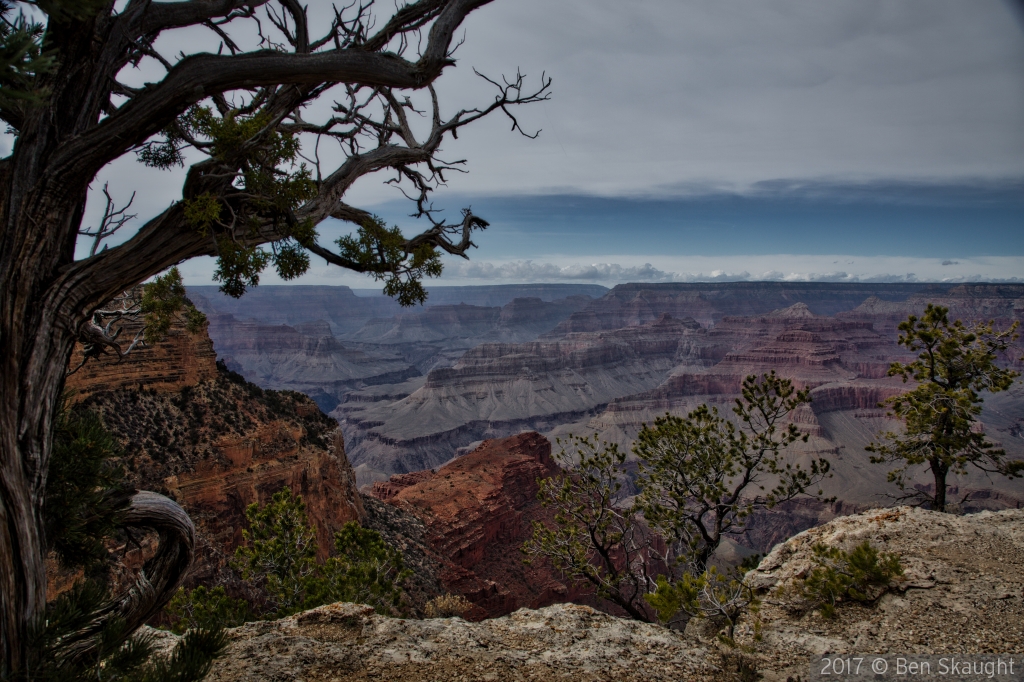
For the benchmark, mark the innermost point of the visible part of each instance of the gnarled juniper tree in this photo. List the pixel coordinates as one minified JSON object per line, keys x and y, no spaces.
{"x":236,"y":109}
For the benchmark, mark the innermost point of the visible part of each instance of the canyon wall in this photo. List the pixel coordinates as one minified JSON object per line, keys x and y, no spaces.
{"x":611,"y":381}
{"x":347,"y":312}
{"x":328,"y":344}
{"x":478,"y":510}
{"x":181,"y":359}
{"x":216,"y":443}
{"x":633,"y":304}
{"x":495,"y":390}
{"x":305,"y":358}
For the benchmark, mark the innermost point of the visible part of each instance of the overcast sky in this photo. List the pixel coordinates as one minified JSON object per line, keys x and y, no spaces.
{"x":848,"y":139}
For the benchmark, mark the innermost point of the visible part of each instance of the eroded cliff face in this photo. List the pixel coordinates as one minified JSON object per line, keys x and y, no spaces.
{"x":498,"y":389}
{"x":216,"y":443}
{"x":179,"y":360}
{"x":305,"y":358}
{"x":478,"y":511}
{"x":612,"y":382}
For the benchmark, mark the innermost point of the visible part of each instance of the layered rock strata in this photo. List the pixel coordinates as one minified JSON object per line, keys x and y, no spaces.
{"x":216,"y":444}
{"x":181,"y":359}
{"x":614,"y":382}
{"x":498,"y":389}
{"x":478,"y":510}
{"x":629,"y":305}
{"x":305,"y":358}
{"x":346,"y":312}
{"x":438,"y":335}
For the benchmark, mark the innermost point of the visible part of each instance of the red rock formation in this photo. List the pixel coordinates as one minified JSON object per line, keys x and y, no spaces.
{"x":478,"y":509}
{"x":217,"y":444}
{"x":181,"y":359}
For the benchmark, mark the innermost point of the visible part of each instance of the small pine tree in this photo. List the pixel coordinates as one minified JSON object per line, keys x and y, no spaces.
{"x":713,"y":593}
{"x":86,"y":493}
{"x":279,"y":561}
{"x":364,"y":570}
{"x":701,"y":477}
{"x":280,"y":554}
{"x":595,"y":540}
{"x":163,"y":301}
{"x":956,"y":363}
{"x":861,"y":575}
{"x":201,"y":608}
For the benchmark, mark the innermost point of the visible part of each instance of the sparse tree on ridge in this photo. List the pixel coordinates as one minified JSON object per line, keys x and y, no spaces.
{"x":254,"y":192}
{"x":956,"y":363}
{"x":596,"y":540}
{"x":701,"y":477}
{"x":700,"y":480}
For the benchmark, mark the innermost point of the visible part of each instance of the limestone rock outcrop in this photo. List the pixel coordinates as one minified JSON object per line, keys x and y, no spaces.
{"x":564,"y":642}
{"x":962,"y":592}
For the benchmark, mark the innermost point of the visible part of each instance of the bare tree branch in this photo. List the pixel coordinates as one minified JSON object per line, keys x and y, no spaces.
{"x":113,"y":220}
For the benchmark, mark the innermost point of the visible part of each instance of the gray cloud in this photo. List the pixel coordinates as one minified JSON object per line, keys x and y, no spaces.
{"x":665,"y":93}
{"x":671,"y":97}
{"x":685,"y":96}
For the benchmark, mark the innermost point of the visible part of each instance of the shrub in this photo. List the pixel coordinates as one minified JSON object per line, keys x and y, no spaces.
{"x":202,"y":608}
{"x":85,"y":491}
{"x":447,"y":606}
{"x":279,"y":562}
{"x":364,"y":570}
{"x":280,"y":557}
{"x":862,"y":575}
{"x":712,"y":594}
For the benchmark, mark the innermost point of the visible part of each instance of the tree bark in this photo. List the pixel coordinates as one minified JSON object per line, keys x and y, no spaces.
{"x":159,"y":578}
{"x":939,"y":473}
{"x":46,"y":296}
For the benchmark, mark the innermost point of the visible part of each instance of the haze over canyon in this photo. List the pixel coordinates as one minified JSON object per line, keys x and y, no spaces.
{"x":413,"y":388}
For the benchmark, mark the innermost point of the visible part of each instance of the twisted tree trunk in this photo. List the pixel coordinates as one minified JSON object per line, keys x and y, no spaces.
{"x":79,"y":119}
{"x":159,"y":578}
{"x":32,"y":381}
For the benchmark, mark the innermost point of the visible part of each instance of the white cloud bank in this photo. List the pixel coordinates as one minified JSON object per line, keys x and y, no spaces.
{"x":780,"y":267}
{"x":612,"y":270}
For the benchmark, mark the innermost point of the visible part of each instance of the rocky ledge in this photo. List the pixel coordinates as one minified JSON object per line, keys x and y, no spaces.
{"x":963,"y":592}
{"x":565,"y":642}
